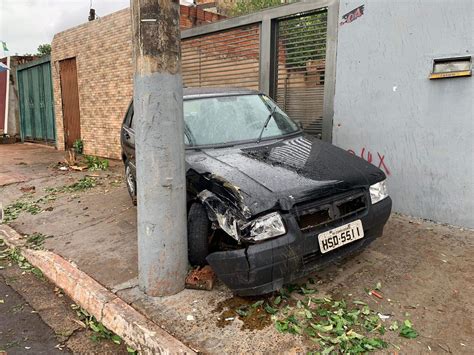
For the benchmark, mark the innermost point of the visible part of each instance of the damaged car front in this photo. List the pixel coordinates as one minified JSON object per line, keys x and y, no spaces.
{"x":268,"y":204}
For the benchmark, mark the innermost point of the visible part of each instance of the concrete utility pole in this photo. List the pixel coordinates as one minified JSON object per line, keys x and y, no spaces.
{"x":161,"y":183}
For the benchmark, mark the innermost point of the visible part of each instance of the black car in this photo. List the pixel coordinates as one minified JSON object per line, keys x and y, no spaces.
{"x":267,"y":204}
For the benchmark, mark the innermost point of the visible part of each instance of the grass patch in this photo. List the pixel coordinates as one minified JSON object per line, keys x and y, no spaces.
{"x":100,"y":331}
{"x":12,"y":211}
{"x":36,"y":240}
{"x":83,"y":184}
{"x":95,"y":163}
{"x":78,"y":146}
{"x":14,"y":255}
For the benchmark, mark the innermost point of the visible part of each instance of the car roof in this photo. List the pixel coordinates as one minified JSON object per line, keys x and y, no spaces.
{"x":193,"y":93}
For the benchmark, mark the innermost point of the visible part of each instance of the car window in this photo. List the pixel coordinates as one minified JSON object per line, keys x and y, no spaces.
{"x":228,"y":119}
{"x":127,"y":118}
{"x":132,"y":121}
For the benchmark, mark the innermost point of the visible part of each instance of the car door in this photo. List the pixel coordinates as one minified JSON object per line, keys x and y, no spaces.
{"x":128,"y":138}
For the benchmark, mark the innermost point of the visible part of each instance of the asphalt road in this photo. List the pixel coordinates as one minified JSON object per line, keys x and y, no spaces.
{"x":21,"y":329}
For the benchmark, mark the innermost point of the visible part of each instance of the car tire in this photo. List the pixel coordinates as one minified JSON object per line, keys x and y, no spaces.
{"x":131,"y":183}
{"x":198,"y":233}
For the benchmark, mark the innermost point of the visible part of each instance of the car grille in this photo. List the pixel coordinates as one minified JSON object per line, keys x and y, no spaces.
{"x":313,"y":214}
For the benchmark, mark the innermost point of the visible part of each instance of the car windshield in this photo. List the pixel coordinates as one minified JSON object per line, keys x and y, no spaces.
{"x":234,"y":118}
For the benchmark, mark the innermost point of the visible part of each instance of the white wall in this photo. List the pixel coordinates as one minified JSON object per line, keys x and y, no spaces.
{"x":385,"y":105}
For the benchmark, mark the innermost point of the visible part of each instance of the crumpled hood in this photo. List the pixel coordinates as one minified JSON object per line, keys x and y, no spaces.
{"x":278,"y":174}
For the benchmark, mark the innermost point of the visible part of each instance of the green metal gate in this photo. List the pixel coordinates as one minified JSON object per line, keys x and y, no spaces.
{"x":35,"y":91}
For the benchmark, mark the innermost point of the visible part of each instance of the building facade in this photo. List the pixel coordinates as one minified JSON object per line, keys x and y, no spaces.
{"x":378,"y":99}
{"x":96,"y":58}
{"x":389,"y":112}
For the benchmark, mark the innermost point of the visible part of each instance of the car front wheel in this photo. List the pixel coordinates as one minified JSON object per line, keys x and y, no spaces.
{"x":198,"y":235}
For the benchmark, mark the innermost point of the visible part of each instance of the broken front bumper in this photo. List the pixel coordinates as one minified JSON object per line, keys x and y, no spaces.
{"x":264,"y":267}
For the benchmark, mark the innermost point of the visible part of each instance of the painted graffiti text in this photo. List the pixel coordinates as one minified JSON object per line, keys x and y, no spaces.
{"x":379,"y":161}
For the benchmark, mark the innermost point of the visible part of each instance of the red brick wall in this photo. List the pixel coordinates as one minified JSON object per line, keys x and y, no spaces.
{"x":103,"y":52}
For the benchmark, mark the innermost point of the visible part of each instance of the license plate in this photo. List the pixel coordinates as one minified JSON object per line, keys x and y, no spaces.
{"x":340,"y":236}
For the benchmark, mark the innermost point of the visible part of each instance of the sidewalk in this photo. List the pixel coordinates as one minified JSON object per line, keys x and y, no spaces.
{"x":425,"y":269}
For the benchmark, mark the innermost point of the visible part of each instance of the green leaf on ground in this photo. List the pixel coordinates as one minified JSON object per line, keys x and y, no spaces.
{"x":407,"y":330}
{"x":281,"y":326}
{"x":294,"y":329}
{"x":394,"y":326}
{"x":257,"y":304}
{"x":327,"y":351}
{"x":242,"y":312}
{"x":269,"y":309}
{"x":277,"y":300}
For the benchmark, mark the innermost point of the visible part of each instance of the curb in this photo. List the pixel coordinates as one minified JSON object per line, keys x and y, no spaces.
{"x":115,"y":314}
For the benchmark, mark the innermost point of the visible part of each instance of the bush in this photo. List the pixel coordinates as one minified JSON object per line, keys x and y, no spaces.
{"x":96,"y":163}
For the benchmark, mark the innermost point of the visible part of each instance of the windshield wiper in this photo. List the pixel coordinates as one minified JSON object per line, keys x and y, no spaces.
{"x":266,"y":123}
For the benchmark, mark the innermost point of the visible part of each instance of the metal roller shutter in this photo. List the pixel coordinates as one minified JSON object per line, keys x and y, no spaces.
{"x":226,"y":58}
{"x":301,"y":51}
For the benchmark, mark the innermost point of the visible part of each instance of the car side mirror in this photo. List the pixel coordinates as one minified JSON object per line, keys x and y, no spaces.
{"x":299,"y":124}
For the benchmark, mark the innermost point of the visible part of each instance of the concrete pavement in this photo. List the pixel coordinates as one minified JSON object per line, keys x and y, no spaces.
{"x":425,"y":269}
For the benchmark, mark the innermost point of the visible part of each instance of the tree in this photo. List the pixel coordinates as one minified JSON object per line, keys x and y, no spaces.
{"x":304,"y":39}
{"x":44,"y":49}
{"x":248,"y":6}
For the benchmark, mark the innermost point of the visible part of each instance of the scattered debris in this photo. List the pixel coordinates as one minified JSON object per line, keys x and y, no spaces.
{"x":36,"y":240}
{"x":376,"y":294}
{"x":12,"y":211}
{"x":25,"y":204}
{"x":28,"y":189}
{"x":335,"y":325}
{"x":189,"y":317}
{"x":58,"y":292}
{"x":70,"y":158}
{"x":78,"y":168}
{"x":394,"y":326}
{"x":253,"y":314}
{"x":85,"y":183}
{"x":63,"y":168}
{"x":383,"y":316}
{"x":201,"y":278}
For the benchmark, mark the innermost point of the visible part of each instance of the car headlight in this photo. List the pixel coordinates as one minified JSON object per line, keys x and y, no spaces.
{"x":266,"y":227}
{"x":378,"y":191}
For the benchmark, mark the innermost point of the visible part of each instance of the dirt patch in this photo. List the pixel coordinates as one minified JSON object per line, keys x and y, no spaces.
{"x":248,"y":310}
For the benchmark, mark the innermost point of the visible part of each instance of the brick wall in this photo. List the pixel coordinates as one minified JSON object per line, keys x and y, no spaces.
{"x":103,"y":52}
